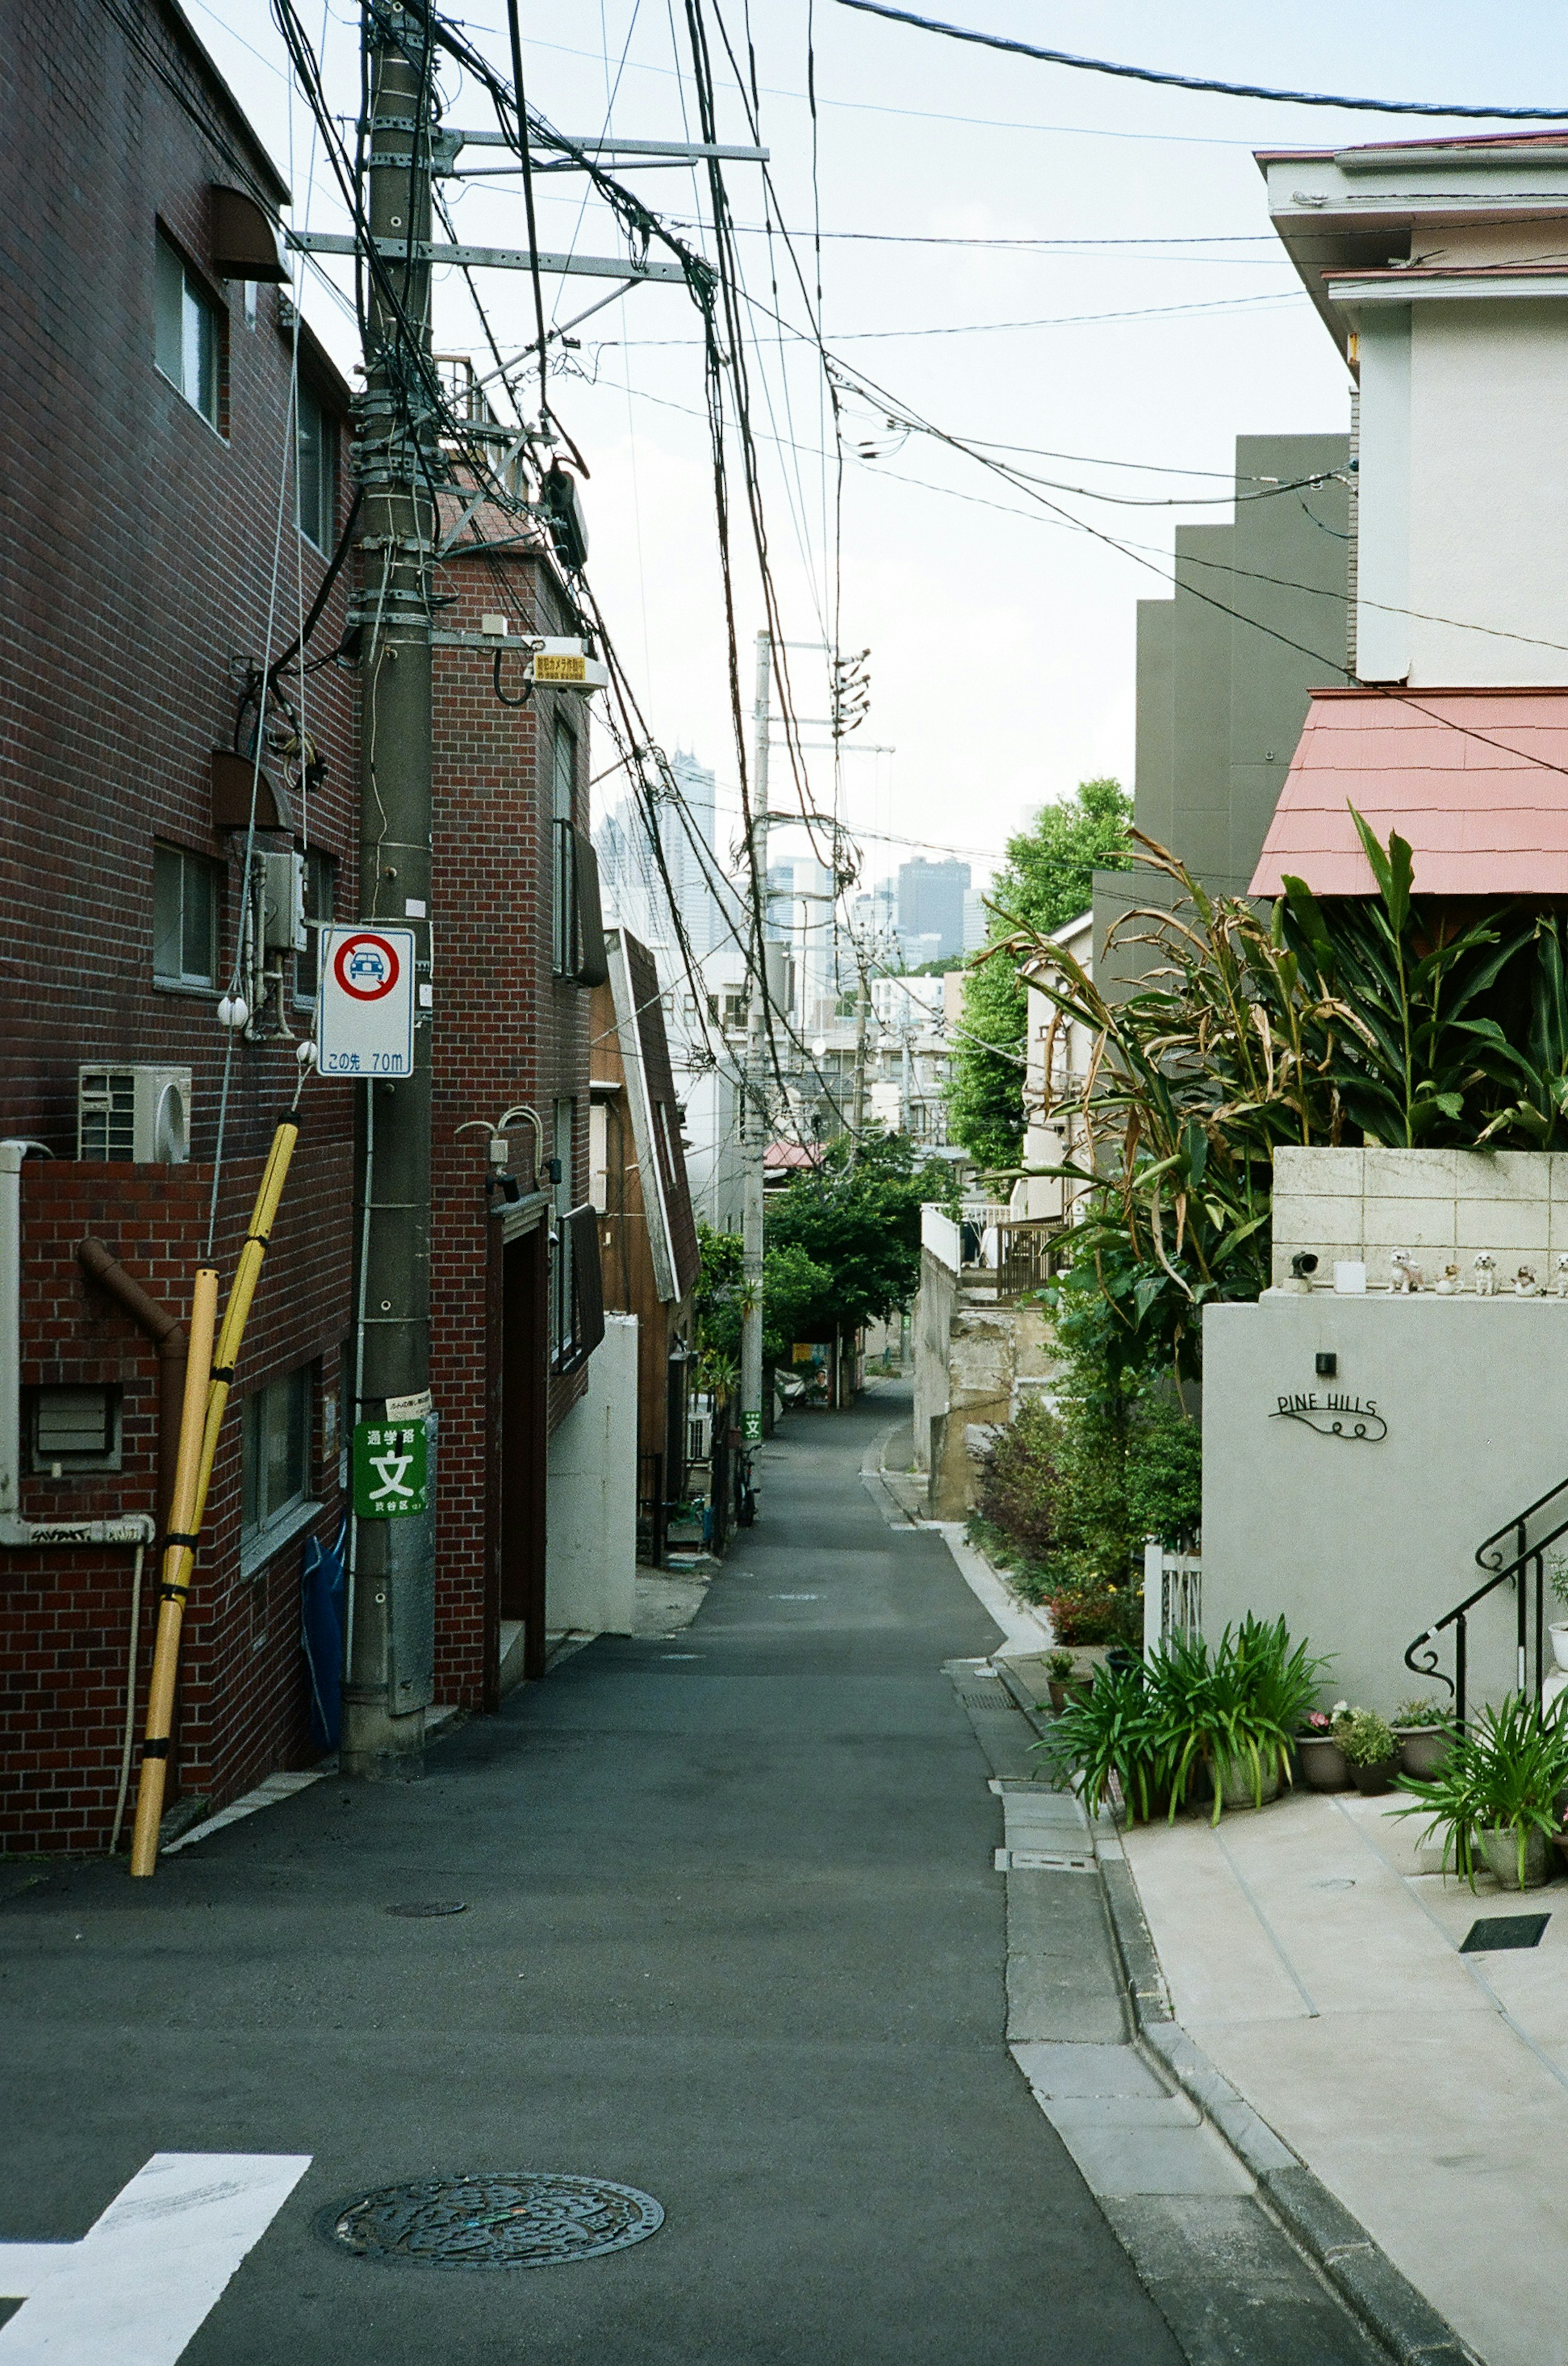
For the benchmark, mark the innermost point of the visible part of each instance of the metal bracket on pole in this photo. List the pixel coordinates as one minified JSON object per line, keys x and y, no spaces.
{"x":485,"y":258}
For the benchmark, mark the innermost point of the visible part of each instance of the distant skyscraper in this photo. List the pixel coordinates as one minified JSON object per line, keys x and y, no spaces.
{"x":977,"y":921}
{"x":931,"y":902}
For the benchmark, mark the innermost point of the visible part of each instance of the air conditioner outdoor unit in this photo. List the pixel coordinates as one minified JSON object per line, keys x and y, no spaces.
{"x":699,"y":1437}
{"x":138,"y":1113}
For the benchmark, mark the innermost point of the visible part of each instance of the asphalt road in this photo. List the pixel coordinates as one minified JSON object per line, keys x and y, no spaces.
{"x":732,"y":1936}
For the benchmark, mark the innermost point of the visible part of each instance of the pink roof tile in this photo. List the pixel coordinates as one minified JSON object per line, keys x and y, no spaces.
{"x":1476,"y":781}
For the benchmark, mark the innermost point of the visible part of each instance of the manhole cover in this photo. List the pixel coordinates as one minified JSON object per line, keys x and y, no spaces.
{"x":529,"y":2221}
{"x":418,"y":1913}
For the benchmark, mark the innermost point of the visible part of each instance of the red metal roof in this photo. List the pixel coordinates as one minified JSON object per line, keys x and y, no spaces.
{"x":1477,"y":781}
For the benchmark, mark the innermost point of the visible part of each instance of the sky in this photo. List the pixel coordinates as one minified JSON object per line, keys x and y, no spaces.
{"x":1147,"y":318}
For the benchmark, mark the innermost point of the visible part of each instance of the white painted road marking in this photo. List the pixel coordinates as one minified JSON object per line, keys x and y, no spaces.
{"x":147,"y":2273}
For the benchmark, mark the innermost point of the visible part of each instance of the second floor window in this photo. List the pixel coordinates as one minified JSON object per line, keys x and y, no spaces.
{"x":564,"y":886}
{"x":185,"y":918}
{"x":316,"y":475}
{"x":187,"y":333}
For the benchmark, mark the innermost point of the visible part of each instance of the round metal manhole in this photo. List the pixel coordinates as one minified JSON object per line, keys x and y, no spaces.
{"x":418,"y":1913}
{"x":532,"y":2220}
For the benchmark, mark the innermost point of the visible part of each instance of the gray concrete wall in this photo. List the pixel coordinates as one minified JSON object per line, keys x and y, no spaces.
{"x":934,"y":1305}
{"x":1362,"y":1544}
{"x":591,"y":1553}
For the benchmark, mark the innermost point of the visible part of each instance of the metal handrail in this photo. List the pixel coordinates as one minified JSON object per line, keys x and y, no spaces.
{"x":1527,"y":1556}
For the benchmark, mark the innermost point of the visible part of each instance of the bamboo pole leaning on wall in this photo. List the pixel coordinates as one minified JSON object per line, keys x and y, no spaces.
{"x":198,"y":1450}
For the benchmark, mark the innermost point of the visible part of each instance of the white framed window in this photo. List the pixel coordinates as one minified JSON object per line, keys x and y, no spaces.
{"x":185,"y":918}
{"x":188,"y":343}
{"x":316,"y":475}
{"x":276,"y":1455}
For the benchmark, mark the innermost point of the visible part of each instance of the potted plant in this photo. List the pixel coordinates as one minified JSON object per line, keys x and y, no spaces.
{"x":1557,"y":1578}
{"x":1497,"y":1794}
{"x":1112,"y":1729}
{"x":1231,"y":1714}
{"x":1370,"y":1751}
{"x":1425,"y":1735}
{"x":1323,"y":1765}
{"x":1059,"y":1667}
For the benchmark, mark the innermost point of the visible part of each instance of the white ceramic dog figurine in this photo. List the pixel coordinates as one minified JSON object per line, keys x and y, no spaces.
{"x":1406,"y":1274}
{"x":1486,"y":1275}
{"x":1525,"y":1282}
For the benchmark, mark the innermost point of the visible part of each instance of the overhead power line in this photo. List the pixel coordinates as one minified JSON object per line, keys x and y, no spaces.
{"x":1198,"y":82}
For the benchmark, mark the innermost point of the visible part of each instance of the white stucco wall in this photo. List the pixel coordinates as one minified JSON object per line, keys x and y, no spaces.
{"x":1464,"y":490}
{"x":1363,"y":1544}
{"x":591,"y":1553}
{"x":1442,"y":1206}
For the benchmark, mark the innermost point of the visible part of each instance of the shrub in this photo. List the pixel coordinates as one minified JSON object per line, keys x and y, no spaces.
{"x":1507,"y":1773}
{"x":1366,"y":1739}
{"x":1021,"y":1491}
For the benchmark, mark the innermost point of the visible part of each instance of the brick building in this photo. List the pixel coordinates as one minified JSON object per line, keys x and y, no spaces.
{"x":177,"y":489}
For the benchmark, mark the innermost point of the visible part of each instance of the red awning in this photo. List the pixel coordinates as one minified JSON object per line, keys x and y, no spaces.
{"x":1477,"y":781}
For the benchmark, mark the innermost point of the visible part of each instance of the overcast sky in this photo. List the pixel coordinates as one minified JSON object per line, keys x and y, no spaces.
{"x":1002,"y":642}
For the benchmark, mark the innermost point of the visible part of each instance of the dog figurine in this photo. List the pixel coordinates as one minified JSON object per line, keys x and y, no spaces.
{"x":1486,"y":1275}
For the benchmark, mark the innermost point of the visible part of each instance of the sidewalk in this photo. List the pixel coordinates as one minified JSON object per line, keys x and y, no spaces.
{"x":1320,"y":1970}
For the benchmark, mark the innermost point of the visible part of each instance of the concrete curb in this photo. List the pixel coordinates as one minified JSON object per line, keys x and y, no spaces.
{"x":1396,"y":2316}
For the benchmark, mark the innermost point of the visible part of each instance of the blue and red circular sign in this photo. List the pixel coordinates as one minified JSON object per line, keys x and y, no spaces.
{"x":366,"y":966}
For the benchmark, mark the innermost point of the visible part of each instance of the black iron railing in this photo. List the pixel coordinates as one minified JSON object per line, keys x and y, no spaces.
{"x":1515,"y":1554}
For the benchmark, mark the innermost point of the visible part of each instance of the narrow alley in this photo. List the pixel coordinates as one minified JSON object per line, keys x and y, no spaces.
{"x":731,"y":1934}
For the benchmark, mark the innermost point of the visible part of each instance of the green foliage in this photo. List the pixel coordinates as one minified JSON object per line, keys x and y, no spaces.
{"x":1073,"y":1487}
{"x":1366,"y":1739}
{"x":1048,"y":879}
{"x":1504,"y":1773}
{"x":1423,"y":1712}
{"x":794,"y":1291}
{"x":1189,"y":1714}
{"x":857,"y":1222}
{"x":1378,"y":1018}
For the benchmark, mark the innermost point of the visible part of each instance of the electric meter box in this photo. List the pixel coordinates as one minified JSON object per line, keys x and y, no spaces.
{"x":282,"y":902}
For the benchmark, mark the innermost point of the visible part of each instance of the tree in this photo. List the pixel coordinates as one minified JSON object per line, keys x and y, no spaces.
{"x":793,"y":1291}
{"x":1047,"y":880}
{"x":857,"y":1220}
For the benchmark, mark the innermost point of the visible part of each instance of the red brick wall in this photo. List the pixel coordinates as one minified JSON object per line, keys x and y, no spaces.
{"x":506,"y":1030}
{"x":138,"y":549}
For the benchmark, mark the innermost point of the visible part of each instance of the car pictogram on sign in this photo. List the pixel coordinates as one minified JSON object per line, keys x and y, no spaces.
{"x":367,"y":967}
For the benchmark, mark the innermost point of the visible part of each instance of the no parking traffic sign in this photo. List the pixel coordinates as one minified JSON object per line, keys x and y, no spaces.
{"x":365,"y":1026}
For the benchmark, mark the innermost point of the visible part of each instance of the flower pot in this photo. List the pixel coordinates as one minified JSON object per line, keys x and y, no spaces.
{"x":1235,"y":1783}
{"x":1324,"y":1766}
{"x":1423,"y":1749}
{"x":1372,"y":1780}
{"x":1558,"y":1630}
{"x":1500,"y":1848}
{"x":1076,"y":1688}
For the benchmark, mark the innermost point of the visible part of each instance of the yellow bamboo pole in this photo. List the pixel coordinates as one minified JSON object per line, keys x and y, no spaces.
{"x":199,"y":1432}
{"x":178,"y":1555}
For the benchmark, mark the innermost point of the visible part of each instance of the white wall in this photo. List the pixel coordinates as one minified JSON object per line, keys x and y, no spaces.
{"x":1488,"y":490}
{"x":1362,"y":1544}
{"x":1383,"y":508}
{"x":591,"y":1523}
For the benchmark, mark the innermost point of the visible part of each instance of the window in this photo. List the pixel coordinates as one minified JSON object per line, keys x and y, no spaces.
{"x":275,"y":1442}
{"x":316,"y":472}
{"x":185,"y":918}
{"x":75,"y":1429}
{"x":321,"y":875}
{"x":187,"y":332}
{"x":562,"y":1294}
{"x":564,"y":885}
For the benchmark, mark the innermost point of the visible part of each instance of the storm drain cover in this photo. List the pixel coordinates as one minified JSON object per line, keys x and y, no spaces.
{"x":1503,"y":1931}
{"x":528,"y":2221}
{"x":419,"y":1912}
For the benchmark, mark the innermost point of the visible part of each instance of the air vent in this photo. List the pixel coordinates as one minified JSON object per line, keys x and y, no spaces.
{"x":139,"y":1114}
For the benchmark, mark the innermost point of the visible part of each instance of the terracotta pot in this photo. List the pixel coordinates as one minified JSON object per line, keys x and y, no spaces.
{"x":1372,"y":1780}
{"x":1500,"y":1848}
{"x":1324,"y":1766}
{"x":1076,"y":1688}
{"x":1423,"y":1748}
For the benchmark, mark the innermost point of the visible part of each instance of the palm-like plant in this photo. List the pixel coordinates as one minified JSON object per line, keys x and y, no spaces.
{"x":1506,"y":1773}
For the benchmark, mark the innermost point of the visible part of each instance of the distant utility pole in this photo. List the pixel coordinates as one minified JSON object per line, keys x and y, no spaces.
{"x":754,"y":1073}
{"x":391,"y":1593}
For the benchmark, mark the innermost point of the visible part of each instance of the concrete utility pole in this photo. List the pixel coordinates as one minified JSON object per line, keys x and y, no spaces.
{"x":391,"y":1593}
{"x":754,"y":1073}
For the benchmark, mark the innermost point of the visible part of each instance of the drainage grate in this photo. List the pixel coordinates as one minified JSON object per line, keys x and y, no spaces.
{"x":1503,"y":1931}
{"x":1012,"y":1860}
{"x":528,"y":2221}
{"x":418,"y":1913}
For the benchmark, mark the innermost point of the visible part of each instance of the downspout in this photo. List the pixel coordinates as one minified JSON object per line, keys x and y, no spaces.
{"x":131,"y":1529}
{"x":167,"y":1333}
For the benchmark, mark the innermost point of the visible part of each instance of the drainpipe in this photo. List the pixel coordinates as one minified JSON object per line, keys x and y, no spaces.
{"x":131,"y":1529}
{"x":168,"y":1334}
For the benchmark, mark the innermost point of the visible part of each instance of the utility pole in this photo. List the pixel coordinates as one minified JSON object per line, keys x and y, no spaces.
{"x":391,"y":1591}
{"x":753,"y":1072}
